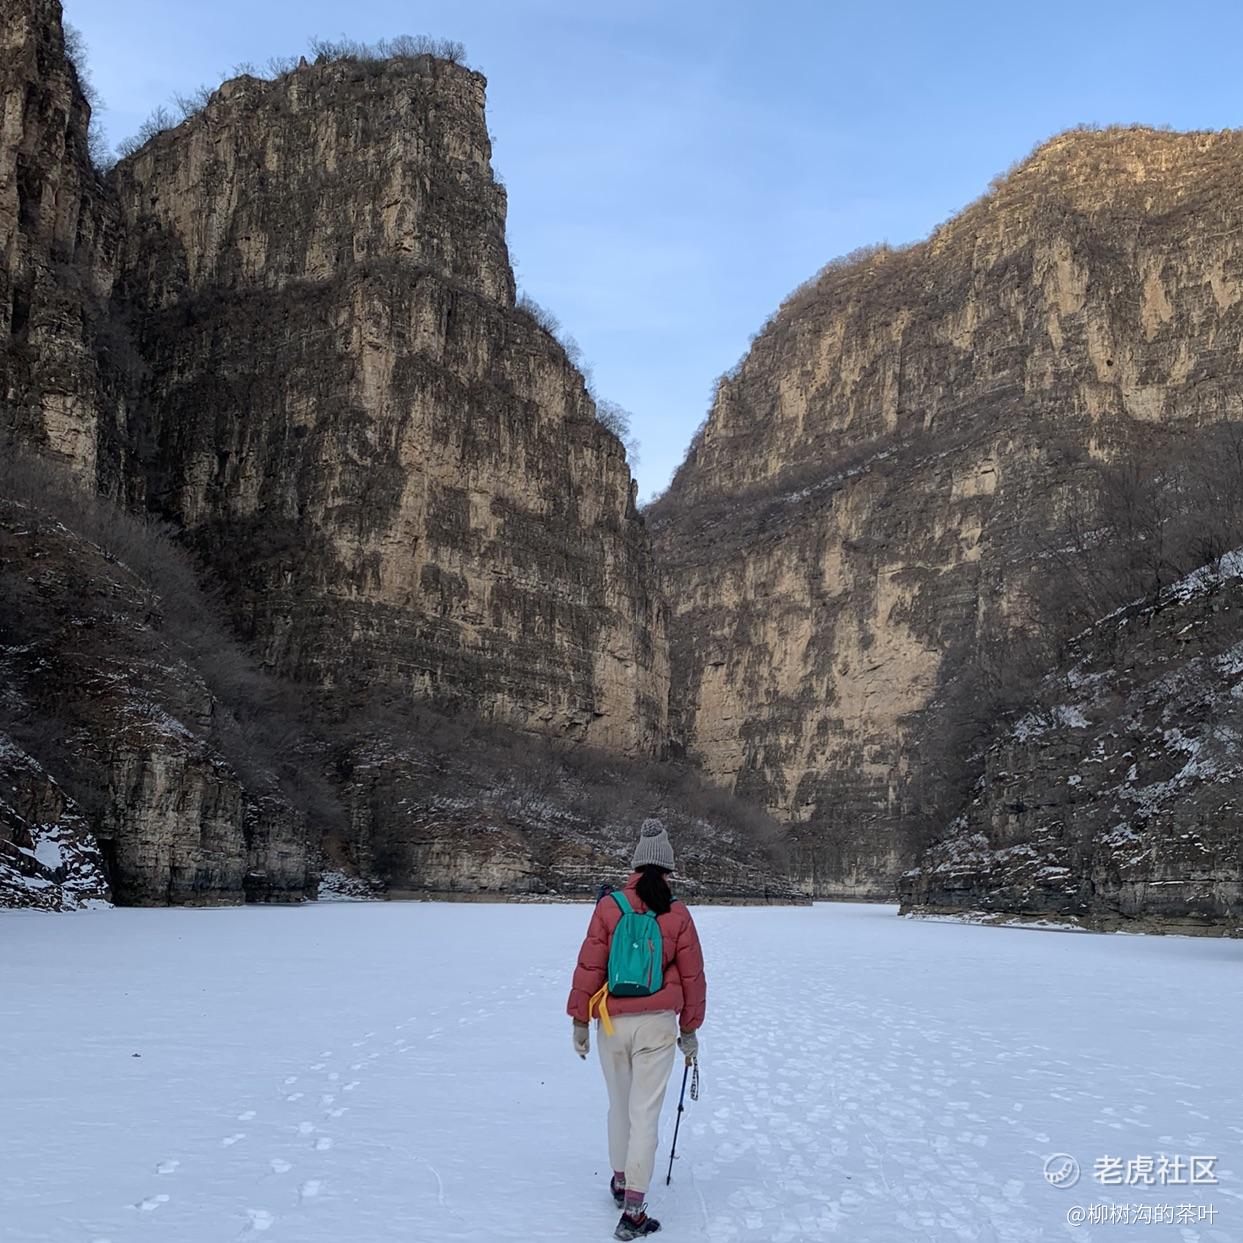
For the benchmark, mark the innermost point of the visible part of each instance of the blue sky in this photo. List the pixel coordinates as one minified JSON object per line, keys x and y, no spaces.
{"x":674,"y":170}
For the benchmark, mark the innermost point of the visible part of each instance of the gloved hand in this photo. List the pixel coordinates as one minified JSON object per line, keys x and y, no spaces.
{"x":582,"y":1038}
{"x":688,"y":1042}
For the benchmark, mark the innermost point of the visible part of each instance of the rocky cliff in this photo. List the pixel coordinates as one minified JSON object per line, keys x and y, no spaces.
{"x":1115,"y":802}
{"x":287,"y":329}
{"x":57,"y":234}
{"x":399,"y":473}
{"x":870,"y":495}
{"x":115,"y":775}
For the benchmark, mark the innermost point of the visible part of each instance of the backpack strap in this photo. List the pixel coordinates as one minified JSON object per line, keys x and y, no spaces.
{"x":601,"y":999}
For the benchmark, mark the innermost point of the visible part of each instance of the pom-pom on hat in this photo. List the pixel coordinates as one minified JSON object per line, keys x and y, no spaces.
{"x":653,"y":846}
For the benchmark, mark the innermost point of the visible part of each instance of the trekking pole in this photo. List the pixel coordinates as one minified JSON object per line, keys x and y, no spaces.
{"x":681,"y":1099}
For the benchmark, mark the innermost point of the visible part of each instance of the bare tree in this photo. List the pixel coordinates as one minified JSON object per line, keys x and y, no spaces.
{"x":156,"y":123}
{"x":540,"y":314}
{"x":618,"y":420}
{"x":553,"y":326}
{"x":407,"y":47}
{"x":192,"y":104}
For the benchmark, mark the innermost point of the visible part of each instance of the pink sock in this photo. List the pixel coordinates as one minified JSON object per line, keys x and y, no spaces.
{"x":619,"y":1177}
{"x":634,"y":1202}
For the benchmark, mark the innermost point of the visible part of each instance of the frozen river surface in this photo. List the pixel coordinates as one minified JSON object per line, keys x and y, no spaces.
{"x":374,"y":1072}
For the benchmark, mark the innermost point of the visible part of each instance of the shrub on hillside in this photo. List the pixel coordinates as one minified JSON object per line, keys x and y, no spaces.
{"x":258,"y":721}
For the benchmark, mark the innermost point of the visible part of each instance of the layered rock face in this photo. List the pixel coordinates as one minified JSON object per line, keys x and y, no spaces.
{"x":871,"y":490}
{"x":1116,"y":806}
{"x":397,"y":472}
{"x":57,"y":235}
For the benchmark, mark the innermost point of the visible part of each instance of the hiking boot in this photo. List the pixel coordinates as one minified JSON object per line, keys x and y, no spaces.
{"x":618,"y":1190}
{"x":639,"y":1227}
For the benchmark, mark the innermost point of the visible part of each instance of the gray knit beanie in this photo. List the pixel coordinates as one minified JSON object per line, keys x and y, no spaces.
{"x":653,"y":846}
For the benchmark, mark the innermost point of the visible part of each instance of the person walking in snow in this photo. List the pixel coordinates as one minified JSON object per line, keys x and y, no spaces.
{"x":641,"y":972}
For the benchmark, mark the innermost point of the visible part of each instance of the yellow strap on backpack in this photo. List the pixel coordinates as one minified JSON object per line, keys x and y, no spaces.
{"x":602,"y":998}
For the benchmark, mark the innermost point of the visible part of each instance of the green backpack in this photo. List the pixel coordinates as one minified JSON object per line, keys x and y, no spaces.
{"x":636,"y":955}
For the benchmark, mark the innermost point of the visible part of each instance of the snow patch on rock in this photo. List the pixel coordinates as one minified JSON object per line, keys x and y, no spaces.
{"x":336,"y":886}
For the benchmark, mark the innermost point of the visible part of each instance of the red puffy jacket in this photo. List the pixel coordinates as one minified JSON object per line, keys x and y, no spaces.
{"x":684,"y":988}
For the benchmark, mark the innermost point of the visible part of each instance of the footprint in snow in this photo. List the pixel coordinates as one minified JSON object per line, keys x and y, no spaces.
{"x":230,"y":1140}
{"x":336,"y":1113}
{"x":167,"y":1167}
{"x":311,"y":1187}
{"x":260,"y":1218}
{"x":323,"y":1144}
{"x":294,"y":1096}
{"x":246,"y":1116}
{"x":349,"y":1087}
{"x":151,"y":1203}
{"x":306,"y":1128}
{"x":280,"y":1165}
{"x":291,"y":1079}
{"x":318,"y":1066}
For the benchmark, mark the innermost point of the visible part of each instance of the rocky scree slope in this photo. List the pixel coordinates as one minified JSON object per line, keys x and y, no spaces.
{"x":870,"y":497}
{"x":1116,"y":801}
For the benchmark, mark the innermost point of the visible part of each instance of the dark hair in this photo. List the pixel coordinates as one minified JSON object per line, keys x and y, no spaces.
{"x":654,"y":889}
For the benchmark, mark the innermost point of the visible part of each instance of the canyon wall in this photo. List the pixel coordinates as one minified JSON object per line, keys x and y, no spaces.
{"x":114,"y":785}
{"x":873,"y":490}
{"x":398,"y":473}
{"x":57,"y":239}
{"x":287,"y":329}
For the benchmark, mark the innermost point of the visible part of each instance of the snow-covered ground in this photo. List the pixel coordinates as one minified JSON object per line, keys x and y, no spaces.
{"x":358,"y":1073}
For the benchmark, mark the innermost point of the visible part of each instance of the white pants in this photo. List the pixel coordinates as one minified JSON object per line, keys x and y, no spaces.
{"x":636,"y":1060}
